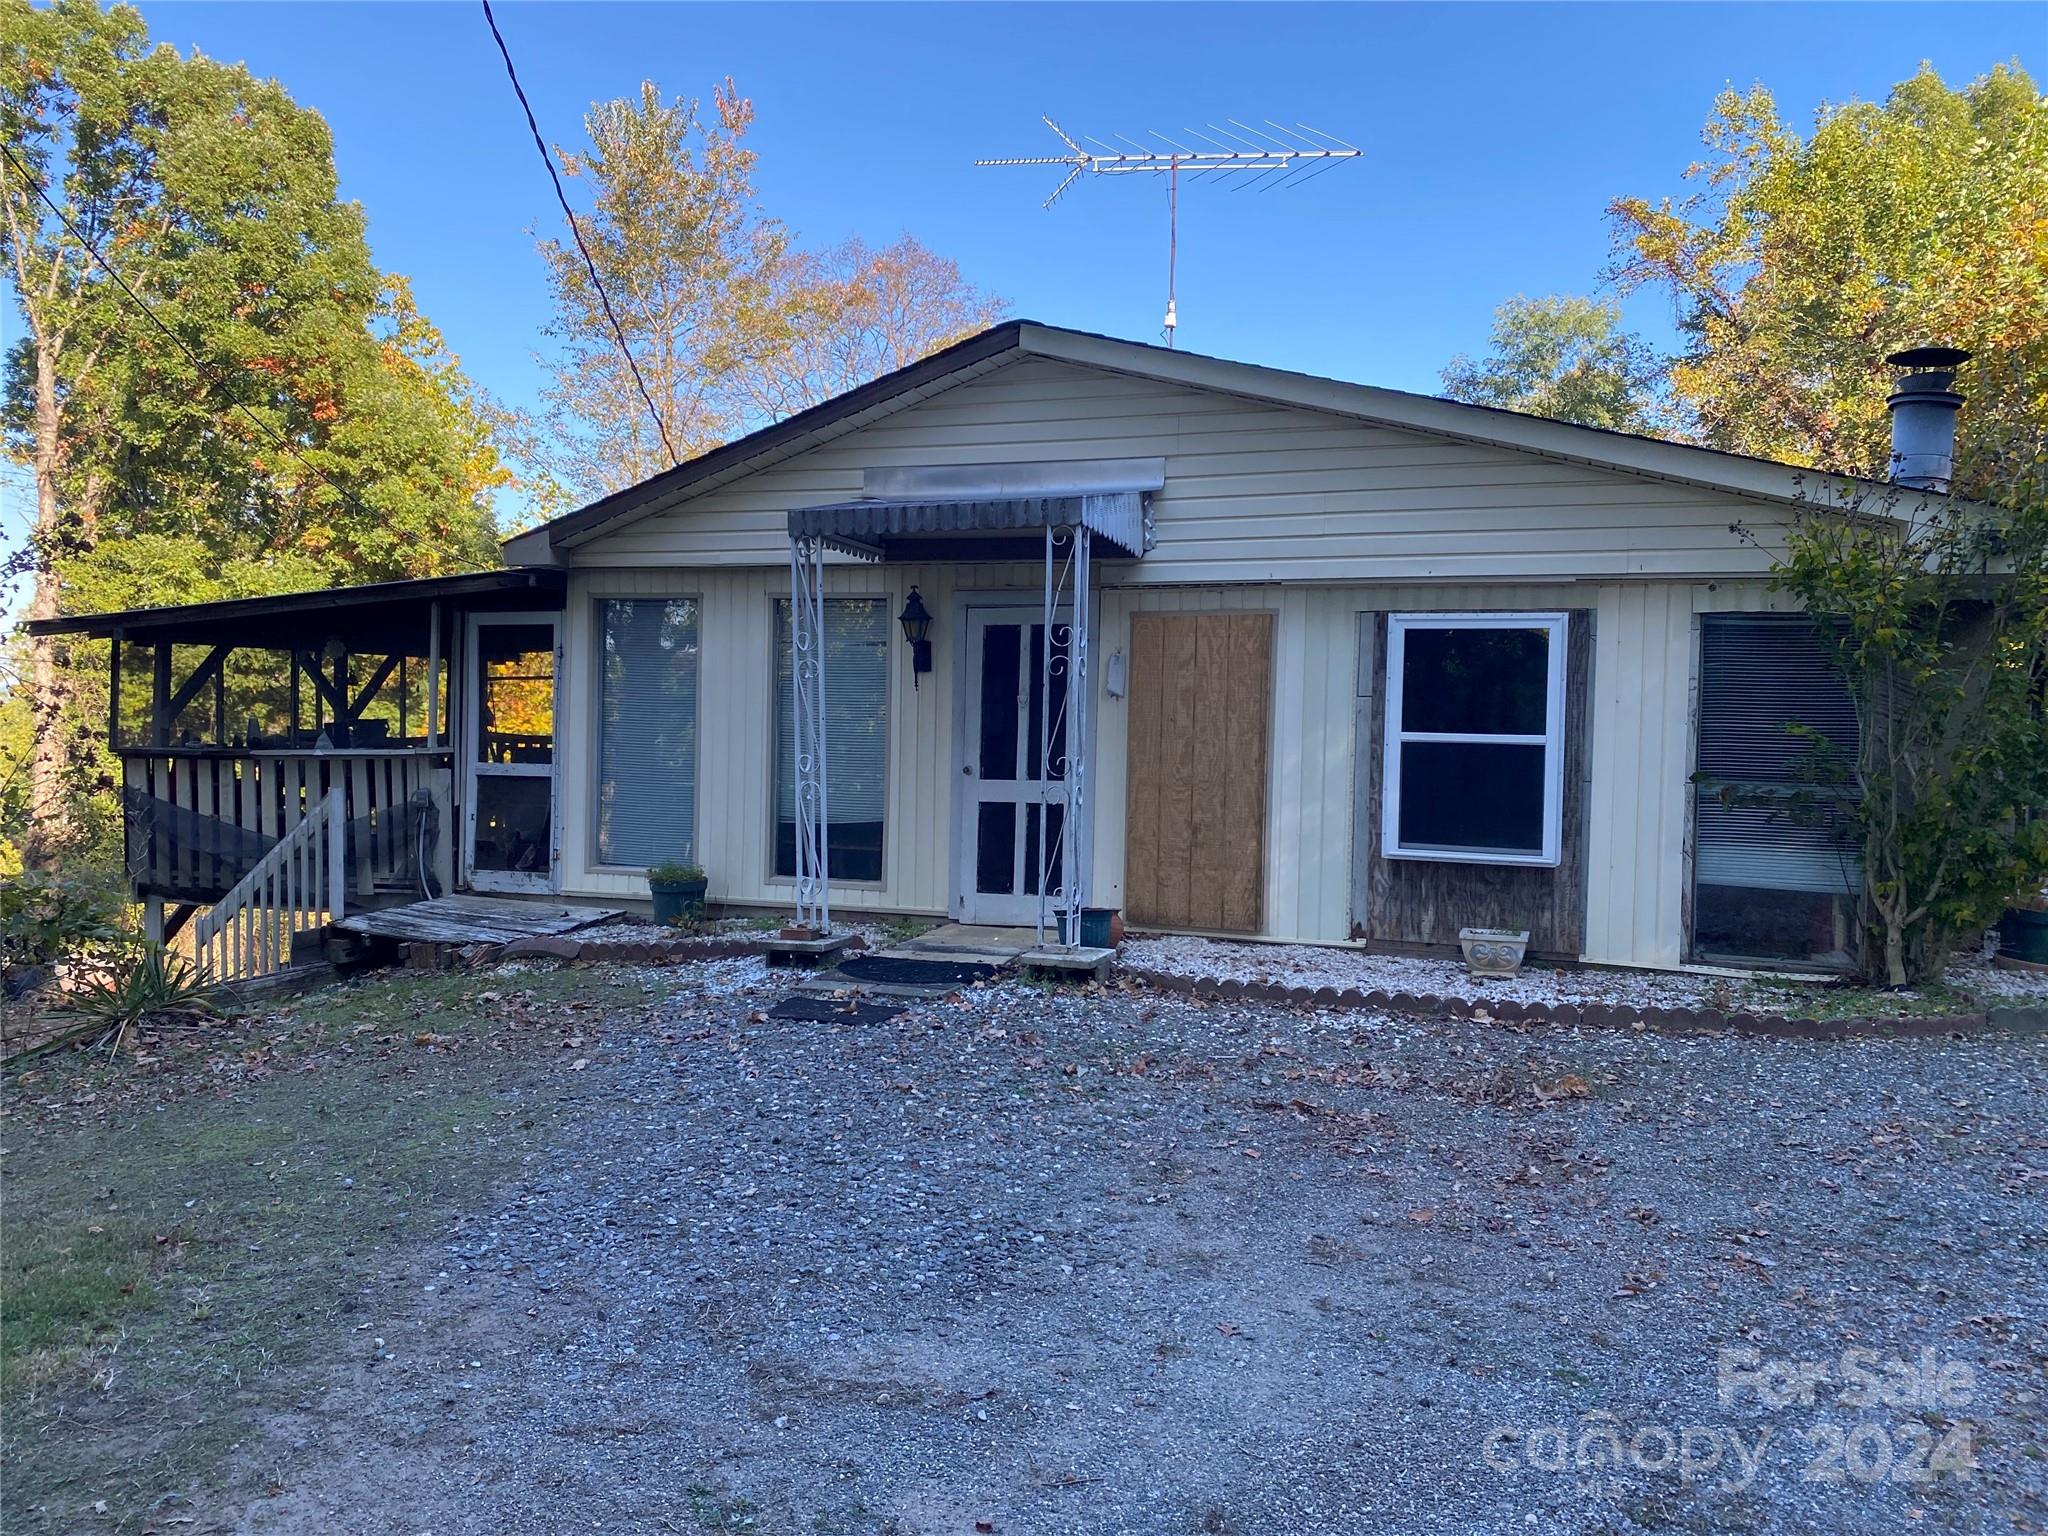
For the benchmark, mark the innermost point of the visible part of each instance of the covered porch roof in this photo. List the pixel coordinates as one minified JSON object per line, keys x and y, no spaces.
{"x":971,"y":528}
{"x":386,"y":617}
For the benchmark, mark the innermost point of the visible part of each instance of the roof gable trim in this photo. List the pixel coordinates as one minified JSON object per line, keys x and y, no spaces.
{"x":1757,"y":480}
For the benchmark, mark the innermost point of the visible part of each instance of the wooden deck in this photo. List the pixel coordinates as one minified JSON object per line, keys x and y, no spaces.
{"x":473,"y":920}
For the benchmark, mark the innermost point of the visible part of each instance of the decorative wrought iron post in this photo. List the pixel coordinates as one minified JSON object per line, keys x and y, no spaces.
{"x":807,"y":737}
{"x":1063,"y":776}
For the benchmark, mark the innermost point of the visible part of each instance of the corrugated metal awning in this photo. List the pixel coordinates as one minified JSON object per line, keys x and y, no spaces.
{"x":870,"y":527}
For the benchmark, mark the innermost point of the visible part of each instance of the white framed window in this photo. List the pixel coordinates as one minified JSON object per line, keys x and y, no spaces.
{"x":1474,"y":767}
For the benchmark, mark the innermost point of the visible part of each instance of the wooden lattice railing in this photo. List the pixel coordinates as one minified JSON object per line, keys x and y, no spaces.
{"x":297,"y":887}
{"x":199,"y":816}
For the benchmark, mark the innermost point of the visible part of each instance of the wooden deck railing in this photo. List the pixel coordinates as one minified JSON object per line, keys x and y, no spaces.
{"x":298,"y":887}
{"x":199,"y":818}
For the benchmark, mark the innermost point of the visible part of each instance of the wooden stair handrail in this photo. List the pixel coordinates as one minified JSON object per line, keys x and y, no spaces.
{"x":298,"y":885}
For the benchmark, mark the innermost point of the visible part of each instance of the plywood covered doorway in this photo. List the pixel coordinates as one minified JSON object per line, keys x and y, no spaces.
{"x":1201,"y":707}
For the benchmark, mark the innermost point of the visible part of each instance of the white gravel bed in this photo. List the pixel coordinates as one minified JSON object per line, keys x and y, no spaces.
{"x":1976,"y":974}
{"x":1309,"y":965}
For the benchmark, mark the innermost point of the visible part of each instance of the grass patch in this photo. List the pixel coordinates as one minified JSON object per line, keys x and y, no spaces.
{"x":66,"y":1293}
{"x":714,"y":1511}
{"x":174,"y":1267}
{"x":1839,"y":1000}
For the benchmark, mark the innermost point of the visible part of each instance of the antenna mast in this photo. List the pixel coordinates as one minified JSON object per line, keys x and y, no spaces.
{"x":1265,"y":160}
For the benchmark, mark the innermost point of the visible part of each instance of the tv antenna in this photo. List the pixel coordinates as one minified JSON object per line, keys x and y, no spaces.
{"x":1254,"y":157}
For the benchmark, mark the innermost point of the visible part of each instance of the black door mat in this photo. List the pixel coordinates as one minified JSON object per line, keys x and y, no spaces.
{"x":829,"y":1010}
{"x":918,"y":973}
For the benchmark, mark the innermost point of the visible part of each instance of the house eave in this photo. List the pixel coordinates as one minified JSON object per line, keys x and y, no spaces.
{"x":1758,"y":481}
{"x":371,"y":610}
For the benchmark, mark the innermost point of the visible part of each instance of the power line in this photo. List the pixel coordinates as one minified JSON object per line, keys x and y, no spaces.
{"x":206,"y":370}
{"x":575,"y":229}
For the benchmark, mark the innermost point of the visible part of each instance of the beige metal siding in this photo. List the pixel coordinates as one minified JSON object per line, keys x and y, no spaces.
{"x":1641,"y":758}
{"x":735,"y":731}
{"x":1316,"y":518}
{"x":1254,"y":492}
{"x":1644,"y":683}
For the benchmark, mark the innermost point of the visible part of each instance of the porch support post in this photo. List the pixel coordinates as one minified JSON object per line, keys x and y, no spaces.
{"x":1074,"y":825}
{"x":433,"y":675}
{"x":1063,"y":775}
{"x":808,"y":776}
{"x":160,"y":695}
{"x":114,"y":692}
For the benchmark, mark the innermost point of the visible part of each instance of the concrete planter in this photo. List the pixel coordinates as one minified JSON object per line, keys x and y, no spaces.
{"x":1493,"y":951}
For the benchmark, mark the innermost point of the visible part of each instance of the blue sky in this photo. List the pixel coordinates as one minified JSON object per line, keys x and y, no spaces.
{"x":1494,"y":137}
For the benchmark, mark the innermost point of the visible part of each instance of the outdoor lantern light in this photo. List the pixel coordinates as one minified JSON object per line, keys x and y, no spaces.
{"x":917,"y":629}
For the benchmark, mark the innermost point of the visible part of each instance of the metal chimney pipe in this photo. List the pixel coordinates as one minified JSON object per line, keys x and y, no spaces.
{"x":1923,"y":408}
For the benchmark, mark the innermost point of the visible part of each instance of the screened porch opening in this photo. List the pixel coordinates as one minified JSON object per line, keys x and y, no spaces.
{"x":1776,"y":869}
{"x":286,"y":759}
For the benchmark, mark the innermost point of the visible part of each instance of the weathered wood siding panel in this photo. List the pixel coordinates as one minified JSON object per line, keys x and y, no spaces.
{"x":1425,"y":902}
{"x":1201,"y":710}
{"x":1254,"y":492}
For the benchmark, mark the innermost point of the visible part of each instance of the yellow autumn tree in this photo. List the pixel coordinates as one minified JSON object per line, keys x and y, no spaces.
{"x":1803,"y":259}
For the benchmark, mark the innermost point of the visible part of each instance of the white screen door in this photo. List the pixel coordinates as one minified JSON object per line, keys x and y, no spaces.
{"x":509,"y":841}
{"x":996,"y":860}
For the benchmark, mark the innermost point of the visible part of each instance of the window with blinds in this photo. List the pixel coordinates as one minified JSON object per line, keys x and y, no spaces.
{"x":1775,"y":863}
{"x":856,"y":737}
{"x":647,"y":731}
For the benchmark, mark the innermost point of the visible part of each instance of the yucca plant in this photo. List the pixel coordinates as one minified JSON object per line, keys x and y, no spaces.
{"x":119,"y":998}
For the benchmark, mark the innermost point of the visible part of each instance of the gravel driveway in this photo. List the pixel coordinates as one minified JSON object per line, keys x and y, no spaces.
{"x":1039,"y":1261}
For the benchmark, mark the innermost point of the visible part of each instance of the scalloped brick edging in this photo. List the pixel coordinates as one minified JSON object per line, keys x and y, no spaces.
{"x":622,"y":950}
{"x":634,"y":951}
{"x":1599,"y":1015}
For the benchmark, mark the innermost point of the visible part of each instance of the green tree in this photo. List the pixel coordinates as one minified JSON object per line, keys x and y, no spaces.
{"x":214,"y":196}
{"x":1937,"y":611}
{"x":1564,"y":357}
{"x":1801,"y":261}
{"x":686,"y":257}
{"x":730,"y":323}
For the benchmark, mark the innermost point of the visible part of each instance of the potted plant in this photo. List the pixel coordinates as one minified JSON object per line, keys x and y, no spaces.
{"x":678,"y":892}
{"x":1493,"y":951}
